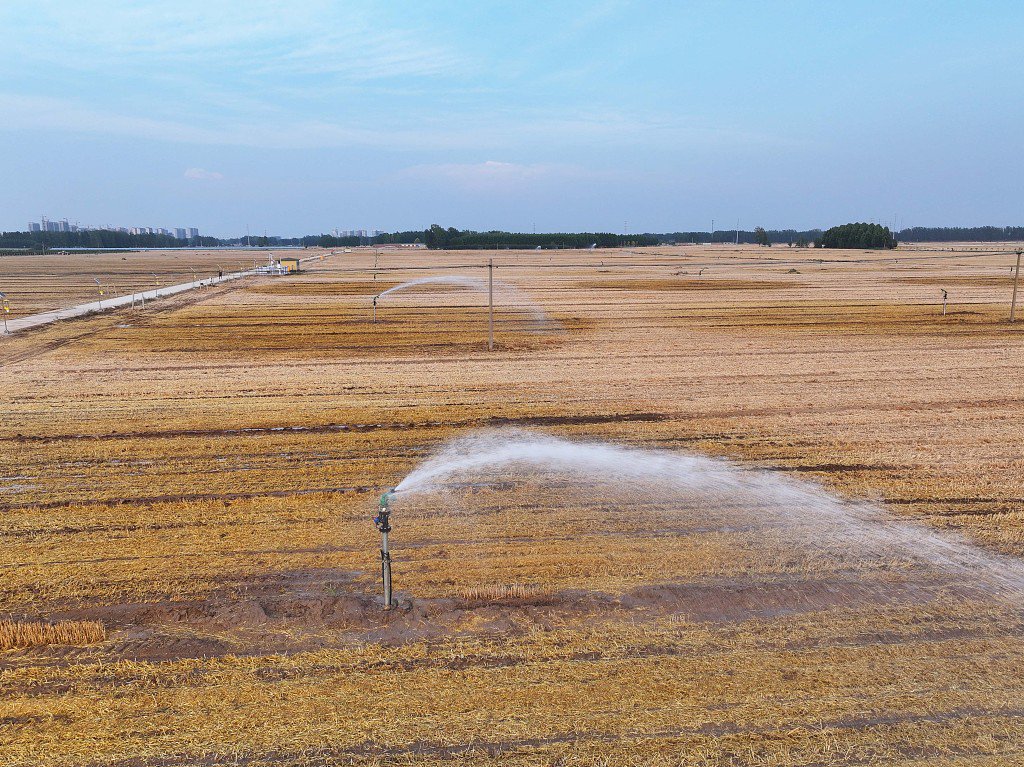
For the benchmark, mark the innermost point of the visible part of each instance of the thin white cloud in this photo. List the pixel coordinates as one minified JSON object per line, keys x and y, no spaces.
{"x":469,"y":132}
{"x":494,"y":175}
{"x":263,"y":39}
{"x":490,"y":174}
{"x":201,"y":174}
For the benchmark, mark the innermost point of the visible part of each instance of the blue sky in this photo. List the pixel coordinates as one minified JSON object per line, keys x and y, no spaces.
{"x":302,"y":116}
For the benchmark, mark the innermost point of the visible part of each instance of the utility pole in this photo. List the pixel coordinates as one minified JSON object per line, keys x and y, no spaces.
{"x":945,"y":296}
{"x":1016,"y":278}
{"x":737,"y":231}
{"x":490,"y":305}
{"x":6,"y":309}
{"x":712,"y":230}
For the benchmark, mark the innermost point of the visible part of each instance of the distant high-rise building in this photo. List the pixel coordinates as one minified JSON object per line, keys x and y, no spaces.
{"x":33,"y":227}
{"x":193,"y":232}
{"x":179,"y":233}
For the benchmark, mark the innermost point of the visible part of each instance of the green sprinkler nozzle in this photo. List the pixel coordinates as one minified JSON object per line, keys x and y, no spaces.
{"x":381,"y":520}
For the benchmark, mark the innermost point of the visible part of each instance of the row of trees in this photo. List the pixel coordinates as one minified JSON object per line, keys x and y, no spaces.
{"x":774,"y":236}
{"x":962,"y":234}
{"x":858,"y":236}
{"x":97,"y":238}
{"x":454,"y":239}
{"x":385,"y":238}
{"x":438,"y":237}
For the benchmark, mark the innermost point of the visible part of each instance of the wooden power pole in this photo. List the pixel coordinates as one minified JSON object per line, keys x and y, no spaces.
{"x":1016,"y":279}
{"x":490,"y":305}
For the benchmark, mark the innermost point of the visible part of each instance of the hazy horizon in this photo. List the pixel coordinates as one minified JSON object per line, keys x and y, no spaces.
{"x":302,"y":117}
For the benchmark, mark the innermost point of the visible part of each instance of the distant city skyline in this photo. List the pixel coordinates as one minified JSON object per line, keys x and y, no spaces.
{"x":574,"y":115}
{"x":45,"y":224}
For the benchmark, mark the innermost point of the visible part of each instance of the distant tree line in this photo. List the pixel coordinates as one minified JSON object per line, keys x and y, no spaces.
{"x":97,"y":238}
{"x":860,"y":235}
{"x":757,"y":236}
{"x":962,"y":234}
{"x":869,"y":236}
{"x":454,"y":239}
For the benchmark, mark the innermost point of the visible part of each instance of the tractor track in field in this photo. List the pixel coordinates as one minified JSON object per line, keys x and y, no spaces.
{"x":542,"y":420}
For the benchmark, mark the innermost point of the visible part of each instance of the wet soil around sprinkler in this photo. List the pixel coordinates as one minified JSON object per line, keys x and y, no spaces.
{"x":314,"y":609}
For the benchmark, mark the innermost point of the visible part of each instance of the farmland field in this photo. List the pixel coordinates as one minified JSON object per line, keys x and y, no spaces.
{"x":192,"y":487}
{"x":37,"y":283}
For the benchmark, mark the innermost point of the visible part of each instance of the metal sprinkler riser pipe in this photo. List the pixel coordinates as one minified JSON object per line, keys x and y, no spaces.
{"x":382,"y":521}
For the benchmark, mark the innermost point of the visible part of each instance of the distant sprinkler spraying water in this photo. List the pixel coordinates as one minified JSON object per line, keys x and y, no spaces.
{"x":506,"y":292}
{"x":726,"y":497}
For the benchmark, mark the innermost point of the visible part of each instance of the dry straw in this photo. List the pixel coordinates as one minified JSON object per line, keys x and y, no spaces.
{"x":17,"y":634}
{"x":496,"y":592}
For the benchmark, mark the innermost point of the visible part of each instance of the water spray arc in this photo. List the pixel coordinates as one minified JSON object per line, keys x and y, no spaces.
{"x":725,"y":495}
{"x":490,"y":287}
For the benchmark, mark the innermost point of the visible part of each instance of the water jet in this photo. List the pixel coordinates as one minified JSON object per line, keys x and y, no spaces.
{"x":776,"y":516}
{"x":508,"y":293}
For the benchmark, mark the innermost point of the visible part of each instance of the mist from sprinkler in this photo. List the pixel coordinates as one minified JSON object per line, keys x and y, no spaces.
{"x":728,"y":497}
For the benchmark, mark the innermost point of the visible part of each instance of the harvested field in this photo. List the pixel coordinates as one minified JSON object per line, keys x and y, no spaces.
{"x":197,"y":481}
{"x":37,"y":284}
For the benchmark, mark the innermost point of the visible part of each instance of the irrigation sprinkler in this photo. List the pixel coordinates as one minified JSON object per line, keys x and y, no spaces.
{"x":375,"y":308}
{"x":490,"y":305}
{"x":6,"y":306}
{"x":384,"y":525}
{"x":99,"y":286}
{"x":193,"y":276}
{"x":945,"y":297}
{"x":1016,"y":279}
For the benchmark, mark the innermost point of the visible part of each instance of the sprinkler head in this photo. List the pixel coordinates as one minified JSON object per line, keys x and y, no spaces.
{"x":383,"y":511}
